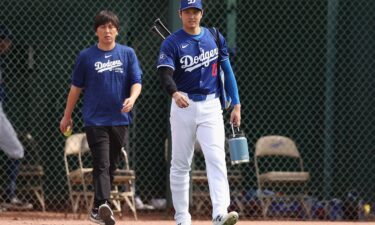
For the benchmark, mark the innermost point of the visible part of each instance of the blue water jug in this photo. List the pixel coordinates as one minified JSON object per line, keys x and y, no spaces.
{"x":238,"y":147}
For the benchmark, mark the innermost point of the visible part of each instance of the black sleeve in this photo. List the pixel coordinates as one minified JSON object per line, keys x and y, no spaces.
{"x":166,"y":79}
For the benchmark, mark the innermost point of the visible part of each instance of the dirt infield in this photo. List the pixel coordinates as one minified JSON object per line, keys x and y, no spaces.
{"x":39,"y":218}
{"x":162,"y":222}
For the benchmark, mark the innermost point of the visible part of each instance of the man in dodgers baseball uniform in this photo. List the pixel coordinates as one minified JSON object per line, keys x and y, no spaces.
{"x":187,"y":66}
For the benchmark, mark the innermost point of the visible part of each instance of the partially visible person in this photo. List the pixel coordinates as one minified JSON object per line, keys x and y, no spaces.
{"x":188,"y":69}
{"x":9,"y":142}
{"x":110,"y":76}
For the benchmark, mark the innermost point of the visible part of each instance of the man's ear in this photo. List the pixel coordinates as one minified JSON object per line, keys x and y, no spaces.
{"x":179,"y":13}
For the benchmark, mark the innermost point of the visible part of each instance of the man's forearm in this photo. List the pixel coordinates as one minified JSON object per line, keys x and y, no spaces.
{"x":72,"y":100}
{"x":166,"y":80}
{"x":135,"y":90}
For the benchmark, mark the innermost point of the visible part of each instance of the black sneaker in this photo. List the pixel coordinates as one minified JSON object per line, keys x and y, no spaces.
{"x":94,"y":216}
{"x":106,"y":214}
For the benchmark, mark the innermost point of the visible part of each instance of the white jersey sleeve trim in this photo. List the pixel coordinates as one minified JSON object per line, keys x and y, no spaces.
{"x":164,"y":65}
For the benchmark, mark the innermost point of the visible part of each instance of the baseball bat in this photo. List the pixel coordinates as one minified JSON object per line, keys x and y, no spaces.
{"x":155,"y":28}
{"x":158,"y":22}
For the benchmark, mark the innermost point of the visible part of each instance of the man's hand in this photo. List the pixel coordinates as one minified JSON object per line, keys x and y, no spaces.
{"x":65,"y":123}
{"x":235,"y":116}
{"x":128,"y":105}
{"x":181,"y":100}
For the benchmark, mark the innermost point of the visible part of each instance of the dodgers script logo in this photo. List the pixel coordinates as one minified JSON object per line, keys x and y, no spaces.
{"x":115,"y":65}
{"x":190,"y":63}
{"x":191,"y":2}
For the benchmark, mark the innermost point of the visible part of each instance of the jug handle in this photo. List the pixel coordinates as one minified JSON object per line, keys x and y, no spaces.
{"x":238,"y":129}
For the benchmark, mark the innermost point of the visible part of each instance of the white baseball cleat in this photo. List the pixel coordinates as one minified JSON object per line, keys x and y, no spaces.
{"x":229,"y":219}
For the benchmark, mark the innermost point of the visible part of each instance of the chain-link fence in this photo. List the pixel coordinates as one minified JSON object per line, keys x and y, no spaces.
{"x":305,"y":70}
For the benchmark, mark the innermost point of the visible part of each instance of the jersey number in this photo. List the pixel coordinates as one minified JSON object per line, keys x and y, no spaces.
{"x":214,"y":69}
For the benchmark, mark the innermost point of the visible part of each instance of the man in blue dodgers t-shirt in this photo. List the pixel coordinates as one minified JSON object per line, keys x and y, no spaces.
{"x":110,"y":77}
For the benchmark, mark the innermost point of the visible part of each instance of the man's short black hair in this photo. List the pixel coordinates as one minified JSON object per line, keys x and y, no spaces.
{"x":104,"y":17}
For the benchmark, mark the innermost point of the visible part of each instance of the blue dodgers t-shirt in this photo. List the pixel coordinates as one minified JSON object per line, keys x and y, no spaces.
{"x":106,"y":78}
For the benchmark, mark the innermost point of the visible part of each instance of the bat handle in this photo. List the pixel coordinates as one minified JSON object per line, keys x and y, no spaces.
{"x":158,"y":21}
{"x":156,"y":30}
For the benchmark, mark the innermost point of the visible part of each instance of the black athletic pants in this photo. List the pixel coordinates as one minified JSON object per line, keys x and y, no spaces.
{"x":105,"y":143}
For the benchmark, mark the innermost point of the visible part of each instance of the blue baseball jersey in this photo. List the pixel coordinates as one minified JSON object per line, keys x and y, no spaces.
{"x":194,"y":60}
{"x":106,"y":78}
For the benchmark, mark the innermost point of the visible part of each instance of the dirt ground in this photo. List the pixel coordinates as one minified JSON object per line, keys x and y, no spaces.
{"x":50,"y":218}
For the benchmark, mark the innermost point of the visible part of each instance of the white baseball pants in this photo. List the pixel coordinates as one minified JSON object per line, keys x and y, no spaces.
{"x":202,"y":121}
{"x":9,"y":142}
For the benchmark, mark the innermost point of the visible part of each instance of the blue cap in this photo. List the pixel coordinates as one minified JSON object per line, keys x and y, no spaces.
{"x":186,"y":4}
{"x":5,"y":32}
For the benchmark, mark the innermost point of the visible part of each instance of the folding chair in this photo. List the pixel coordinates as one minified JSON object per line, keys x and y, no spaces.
{"x":30,"y":177}
{"x":279,"y":168}
{"x":123,"y":187}
{"x":78,"y":176}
